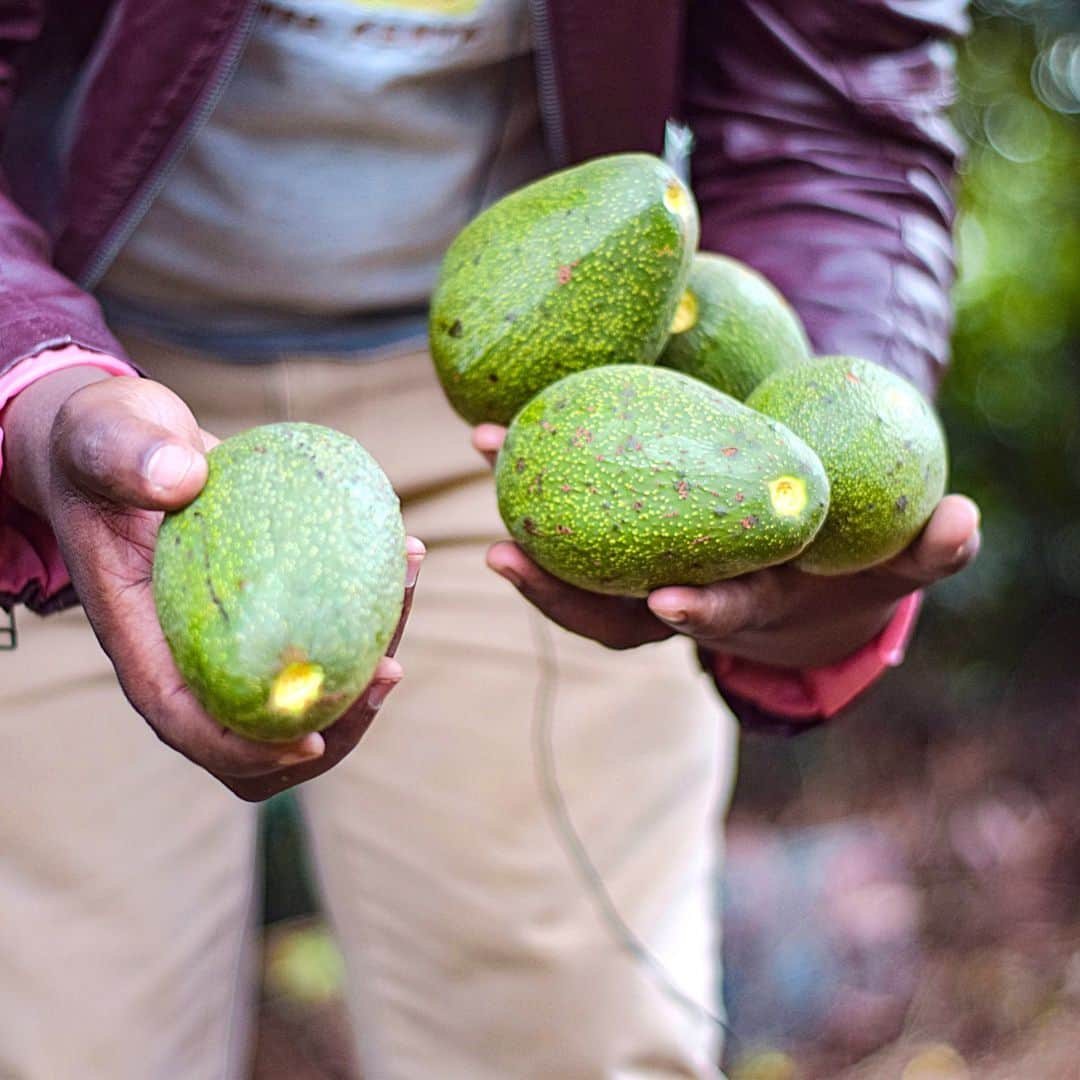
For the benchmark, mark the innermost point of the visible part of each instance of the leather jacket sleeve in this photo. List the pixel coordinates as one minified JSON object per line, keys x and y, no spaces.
{"x":824,"y":159}
{"x":39,"y":307}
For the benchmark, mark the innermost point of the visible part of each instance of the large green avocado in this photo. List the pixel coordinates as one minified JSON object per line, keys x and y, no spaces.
{"x":279,"y":588}
{"x":582,"y":268}
{"x":732,"y":328}
{"x":882,"y":447}
{"x":621,"y":479}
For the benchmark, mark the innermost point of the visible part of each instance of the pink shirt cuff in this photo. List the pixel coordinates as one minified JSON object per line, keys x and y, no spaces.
{"x":31,"y":569}
{"x":817,"y":693}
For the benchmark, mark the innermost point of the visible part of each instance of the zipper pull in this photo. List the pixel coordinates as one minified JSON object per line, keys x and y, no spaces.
{"x":9,"y":636}
{"x":678,"y":146}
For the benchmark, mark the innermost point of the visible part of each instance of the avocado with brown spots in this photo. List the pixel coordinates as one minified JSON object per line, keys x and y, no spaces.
{"x":621,"y":479}
{"x":279,"y":588}
{"x":732,"y":328}
{"x":582,"y":268}
{"x":882,"y":447}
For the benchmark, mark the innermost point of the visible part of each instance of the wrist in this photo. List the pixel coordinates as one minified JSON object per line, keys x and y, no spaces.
{"x":27,"y":423}
{"x":842,"y":638}
{"x":798,"y":699}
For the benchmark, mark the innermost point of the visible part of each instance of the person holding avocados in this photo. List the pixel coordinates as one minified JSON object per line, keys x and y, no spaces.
{"x":245,"y":203}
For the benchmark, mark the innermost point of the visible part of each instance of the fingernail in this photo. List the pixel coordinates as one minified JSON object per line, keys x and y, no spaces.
{"x":168,"y":465}
{"x":412,"y":572}
{"x":379,"y":693}
{"x":674,"y":615}
{"x":297,"y":757}
{"x":310,"y":748}
{"x":964,"y":552}
{"x":510,"y":575}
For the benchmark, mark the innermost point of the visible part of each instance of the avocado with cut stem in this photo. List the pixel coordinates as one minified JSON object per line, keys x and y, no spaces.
{"x":582,"y":268}
{"x":732,"y":327}
{"x":280,"y":586}
{"x":625,"y":478}
{"x":882,"y":446}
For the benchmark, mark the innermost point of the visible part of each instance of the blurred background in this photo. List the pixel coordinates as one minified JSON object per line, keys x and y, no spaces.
{"x":902,"y":894}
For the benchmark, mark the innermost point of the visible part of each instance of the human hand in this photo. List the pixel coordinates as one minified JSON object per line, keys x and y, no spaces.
{"x":101,"y":458}
{"x":779,"y":616}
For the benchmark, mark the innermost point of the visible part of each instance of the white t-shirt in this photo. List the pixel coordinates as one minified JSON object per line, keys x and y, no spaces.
{"x":353,"y":141}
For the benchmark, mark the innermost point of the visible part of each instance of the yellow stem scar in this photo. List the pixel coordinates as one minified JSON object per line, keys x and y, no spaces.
{"x":686,"y":314}
{"x":296,"y":688}
{"x":788,"y":495}
{"x":676,"y":198}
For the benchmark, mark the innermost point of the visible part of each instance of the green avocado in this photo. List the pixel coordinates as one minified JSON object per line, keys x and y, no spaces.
{"x":732,"y":328}
{"x":621,"y":479}
{"x":582,"y":268}
{"x":882,"y":447}
{"x":279,"y":588}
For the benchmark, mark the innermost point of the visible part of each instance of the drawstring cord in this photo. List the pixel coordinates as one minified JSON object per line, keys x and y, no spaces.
{"x":9,"y":635}
{"x":543,"y":722}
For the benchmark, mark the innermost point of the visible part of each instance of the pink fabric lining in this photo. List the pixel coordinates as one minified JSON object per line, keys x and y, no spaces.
{"x":820,"y":692}
{"x":31,"y":568}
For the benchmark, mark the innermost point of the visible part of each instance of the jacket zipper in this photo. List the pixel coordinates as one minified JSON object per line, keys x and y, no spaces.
{"x":125,"y":225}
{"x":547,"y":86}
{"x":120,"y":233}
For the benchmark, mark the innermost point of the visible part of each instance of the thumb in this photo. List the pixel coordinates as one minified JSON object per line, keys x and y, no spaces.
{"x":136,"y":444}
{"x":946,"y":545}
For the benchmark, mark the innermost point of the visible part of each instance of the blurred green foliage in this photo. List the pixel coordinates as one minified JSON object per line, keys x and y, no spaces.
{"x":1011,"y":401}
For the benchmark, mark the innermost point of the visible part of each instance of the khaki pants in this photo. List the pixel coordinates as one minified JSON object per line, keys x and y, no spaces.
{"x":474,"y":950}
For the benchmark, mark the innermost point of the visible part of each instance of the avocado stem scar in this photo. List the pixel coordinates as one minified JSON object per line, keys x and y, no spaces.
{"x":296,"y":688}
{"x":675,"y":198}
{"x":686,"y":314}
{"x":788,"y":495}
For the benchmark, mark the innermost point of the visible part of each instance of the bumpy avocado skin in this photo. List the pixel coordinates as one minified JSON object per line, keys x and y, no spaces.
{"x":293,"y":553}
{"x":743,"y":328}
{"x":622,"y":479}
{"x":582,"y":268}
{"x":882,"y":446}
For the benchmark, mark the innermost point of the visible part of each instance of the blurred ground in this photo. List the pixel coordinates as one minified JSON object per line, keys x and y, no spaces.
{"x":903,"y":895}
{"x":935,"y":854}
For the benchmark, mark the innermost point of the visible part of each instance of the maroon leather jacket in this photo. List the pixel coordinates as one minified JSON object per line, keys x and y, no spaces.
{"x":822,"y":155}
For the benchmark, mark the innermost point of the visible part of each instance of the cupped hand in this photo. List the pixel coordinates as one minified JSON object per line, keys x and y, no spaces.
{"x":778,"y":616}
{"x":112,"y":455}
